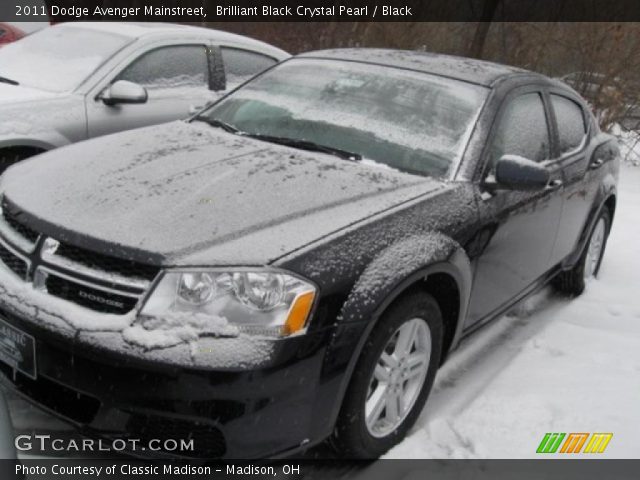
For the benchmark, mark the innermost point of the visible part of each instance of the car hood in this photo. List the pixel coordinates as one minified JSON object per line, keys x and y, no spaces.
{"x":190,"y":194}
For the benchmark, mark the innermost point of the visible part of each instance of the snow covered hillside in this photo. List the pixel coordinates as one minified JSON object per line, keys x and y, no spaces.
{"x":555,"y":365}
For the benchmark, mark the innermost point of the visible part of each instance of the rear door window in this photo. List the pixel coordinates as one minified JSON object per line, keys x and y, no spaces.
{"x":571,"y":125}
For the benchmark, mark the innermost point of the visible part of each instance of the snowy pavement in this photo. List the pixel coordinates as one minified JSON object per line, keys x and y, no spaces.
{"x":555,"y":365}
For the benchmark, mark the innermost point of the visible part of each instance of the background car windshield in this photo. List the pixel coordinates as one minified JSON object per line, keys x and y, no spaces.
{"x":410,"y":121}
{"x":57,"y":59}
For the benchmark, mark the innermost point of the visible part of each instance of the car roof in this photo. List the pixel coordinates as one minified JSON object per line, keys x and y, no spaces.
{"x":135,"y":30}
{"x":461,"y":68}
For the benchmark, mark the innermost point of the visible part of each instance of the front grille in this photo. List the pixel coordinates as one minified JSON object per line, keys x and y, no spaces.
{"x":12,"y":219}
{"x":93,"y":298}
{"x":16,"y":264}
{"x":208,"y":441}
{"x":93,"y":280}
{"x":69,"y":403}
{"x":106,"y":263}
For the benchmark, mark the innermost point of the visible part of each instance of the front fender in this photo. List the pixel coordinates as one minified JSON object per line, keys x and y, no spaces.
{"x":44,"y":123}
{"x":389,"y":275}
{"x":401,"y":265}
{"x":397,"y":268}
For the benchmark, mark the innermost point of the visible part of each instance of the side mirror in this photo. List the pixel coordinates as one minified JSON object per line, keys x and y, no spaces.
{"x":124,"y":91}
{"x":517,"y":173}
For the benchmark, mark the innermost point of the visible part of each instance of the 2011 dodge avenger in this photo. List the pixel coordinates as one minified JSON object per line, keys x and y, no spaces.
{"x":294,"y":263}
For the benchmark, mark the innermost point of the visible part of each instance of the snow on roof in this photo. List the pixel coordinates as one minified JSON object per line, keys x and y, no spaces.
{"x":466,"y":69}
{"x":127,"y":29}
{"x":144,"y":29}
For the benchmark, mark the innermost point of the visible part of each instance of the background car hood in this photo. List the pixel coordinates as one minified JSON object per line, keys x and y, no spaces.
{"x":191,"y":194}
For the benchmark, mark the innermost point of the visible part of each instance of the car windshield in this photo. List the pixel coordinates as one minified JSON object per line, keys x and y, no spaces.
{"x":410,"y":121}
{"x":57,"y":59}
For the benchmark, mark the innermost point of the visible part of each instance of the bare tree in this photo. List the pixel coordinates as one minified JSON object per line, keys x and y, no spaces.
{"x":489,"y":8}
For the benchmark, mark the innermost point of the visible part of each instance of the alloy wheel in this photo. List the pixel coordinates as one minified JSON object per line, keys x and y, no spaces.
{"x":398,"y":377}
{"x":594,"y":250}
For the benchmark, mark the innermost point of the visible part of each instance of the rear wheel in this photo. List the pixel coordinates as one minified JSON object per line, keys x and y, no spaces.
{"x":392,"y":379}
{"x":573,"y":281}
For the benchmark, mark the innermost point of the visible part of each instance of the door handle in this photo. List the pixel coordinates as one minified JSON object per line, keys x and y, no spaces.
{"x":554,"y":184}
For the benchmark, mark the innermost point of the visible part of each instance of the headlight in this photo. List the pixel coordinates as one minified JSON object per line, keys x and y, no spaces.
{"x":262,"y":302}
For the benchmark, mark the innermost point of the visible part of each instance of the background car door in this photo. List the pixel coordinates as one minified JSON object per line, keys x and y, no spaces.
{"x":521,"y":226}
{"x":177,"y":80}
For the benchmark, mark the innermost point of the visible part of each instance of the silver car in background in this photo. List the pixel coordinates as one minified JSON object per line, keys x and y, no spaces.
{"x":80,"y":80}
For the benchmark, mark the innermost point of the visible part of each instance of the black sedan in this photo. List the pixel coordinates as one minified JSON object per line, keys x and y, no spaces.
{"x":295,"y":262}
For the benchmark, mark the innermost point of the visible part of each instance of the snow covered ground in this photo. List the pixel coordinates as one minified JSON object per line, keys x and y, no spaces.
{"x":554,"y":365}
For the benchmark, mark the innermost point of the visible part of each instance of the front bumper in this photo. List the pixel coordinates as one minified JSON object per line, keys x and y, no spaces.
{"x":250,"y":412}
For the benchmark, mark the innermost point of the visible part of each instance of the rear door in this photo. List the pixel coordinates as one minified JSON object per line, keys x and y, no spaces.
{"x":572,"y":125}
{"x":520,"y":226}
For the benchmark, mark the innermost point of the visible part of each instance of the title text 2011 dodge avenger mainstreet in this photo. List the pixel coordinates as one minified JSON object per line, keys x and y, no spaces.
{"x":295,"y":263}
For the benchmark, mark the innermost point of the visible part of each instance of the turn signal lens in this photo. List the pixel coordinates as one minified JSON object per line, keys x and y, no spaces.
{"x":299,"y":313}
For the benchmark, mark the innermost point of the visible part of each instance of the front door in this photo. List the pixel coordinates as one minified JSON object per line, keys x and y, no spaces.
{"x":520,"y":226}
{"x":177,"y":81}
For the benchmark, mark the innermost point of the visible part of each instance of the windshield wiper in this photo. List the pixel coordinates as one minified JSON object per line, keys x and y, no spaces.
{"x":214,"y":122}
{"x":8,"y":80}
{"x":306,"y":145}
{"x":290,"y":142}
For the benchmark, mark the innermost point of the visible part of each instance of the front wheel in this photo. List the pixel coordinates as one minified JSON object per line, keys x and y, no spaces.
{"x":392,"y":379}
{"x":573,"y":281}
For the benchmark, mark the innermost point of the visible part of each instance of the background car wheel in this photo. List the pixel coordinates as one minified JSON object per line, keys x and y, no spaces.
{"x":574,"y":281}
{"x":11,"y":155}
{"x":392,"y":379}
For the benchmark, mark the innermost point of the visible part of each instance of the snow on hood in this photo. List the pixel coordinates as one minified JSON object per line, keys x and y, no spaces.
{"x":195,"y":195}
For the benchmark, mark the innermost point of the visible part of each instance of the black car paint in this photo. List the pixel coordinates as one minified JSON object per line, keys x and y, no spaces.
{"x":459,"y":230}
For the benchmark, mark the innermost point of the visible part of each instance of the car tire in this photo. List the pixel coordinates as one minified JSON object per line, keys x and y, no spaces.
{"x":354,"y":436}
{"x":573,"y":282}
